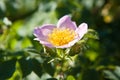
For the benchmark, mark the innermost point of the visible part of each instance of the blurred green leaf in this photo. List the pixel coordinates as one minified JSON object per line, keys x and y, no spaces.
{"x":75,"y":49}
{"x":92,"y":34}
{"x":32,"y":76}
{"x":26,"y":43}
{"x":20,"y":8}
{"x":52,"y":79}
{"x":45,"y":76}
{"x":112,"y":74}
{"x":92,"y":55}
{"x":32,"y":50}
{"x":37,"y":67}
{"x":90,"y":74}
{"x":7,"y":68}
{"x":70,"y":77}
{"x":49,"y":68}
{"x":29,"y":65}
{"x":26,"y":66}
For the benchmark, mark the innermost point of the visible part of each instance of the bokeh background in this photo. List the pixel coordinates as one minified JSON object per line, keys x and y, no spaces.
{"x":19,"y":58}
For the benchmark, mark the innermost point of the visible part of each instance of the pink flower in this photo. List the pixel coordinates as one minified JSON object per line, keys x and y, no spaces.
{"x":64,"y":35}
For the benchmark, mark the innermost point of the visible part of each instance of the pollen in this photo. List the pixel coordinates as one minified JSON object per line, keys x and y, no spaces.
{"x":61,"y":36}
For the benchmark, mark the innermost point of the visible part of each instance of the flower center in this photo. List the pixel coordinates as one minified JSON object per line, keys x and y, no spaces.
{"x":61,"y":36}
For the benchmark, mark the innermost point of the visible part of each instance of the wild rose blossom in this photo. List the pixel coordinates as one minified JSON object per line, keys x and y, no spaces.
{"x":64,"y":35}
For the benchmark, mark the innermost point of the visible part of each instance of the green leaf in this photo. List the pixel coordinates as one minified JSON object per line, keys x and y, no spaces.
{"x":75,"y":49}
{"x":29,"y":65}
{"x":48,"y":68}
{"x":92,"y":34}
{"x":37,"y":67}
{"x":26,"y":66}
{"x":113,"y":74}
{"x":70,"y":77}
{"x":50,"y":51}
{"x":7,"y":69}
{"x":21,"y":9}
{"x":90,"y":74}
{"x":31,"y":76}
{"x":92,"y":55}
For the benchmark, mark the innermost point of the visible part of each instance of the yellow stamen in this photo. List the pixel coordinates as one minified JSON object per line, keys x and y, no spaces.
{"x":61,"y":36}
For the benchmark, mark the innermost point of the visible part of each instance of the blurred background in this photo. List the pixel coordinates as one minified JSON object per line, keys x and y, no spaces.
{"x":18,"y":18}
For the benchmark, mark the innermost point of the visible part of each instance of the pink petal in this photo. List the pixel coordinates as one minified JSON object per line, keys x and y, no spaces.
{"x":46,"y":44}
{"x":82,"y":29}
{"x":65,"y":22}
{"x":42,"y":32}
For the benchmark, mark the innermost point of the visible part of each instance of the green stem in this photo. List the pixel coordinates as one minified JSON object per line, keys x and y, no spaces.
{"x":61,"y":54}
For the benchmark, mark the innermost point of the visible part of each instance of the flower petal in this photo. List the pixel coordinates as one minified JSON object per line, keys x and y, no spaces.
{"x":42,"y":32}
{"x":82,"y":29}
{"x":65,"y":22}
{"x":46,"y":44}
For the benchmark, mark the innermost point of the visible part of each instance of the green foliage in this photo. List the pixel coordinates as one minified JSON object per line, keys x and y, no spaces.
{"x":113,"y":74}
{"x":7,"y":69}
{"x":70,"y":77}
{"x":95,"y":57}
